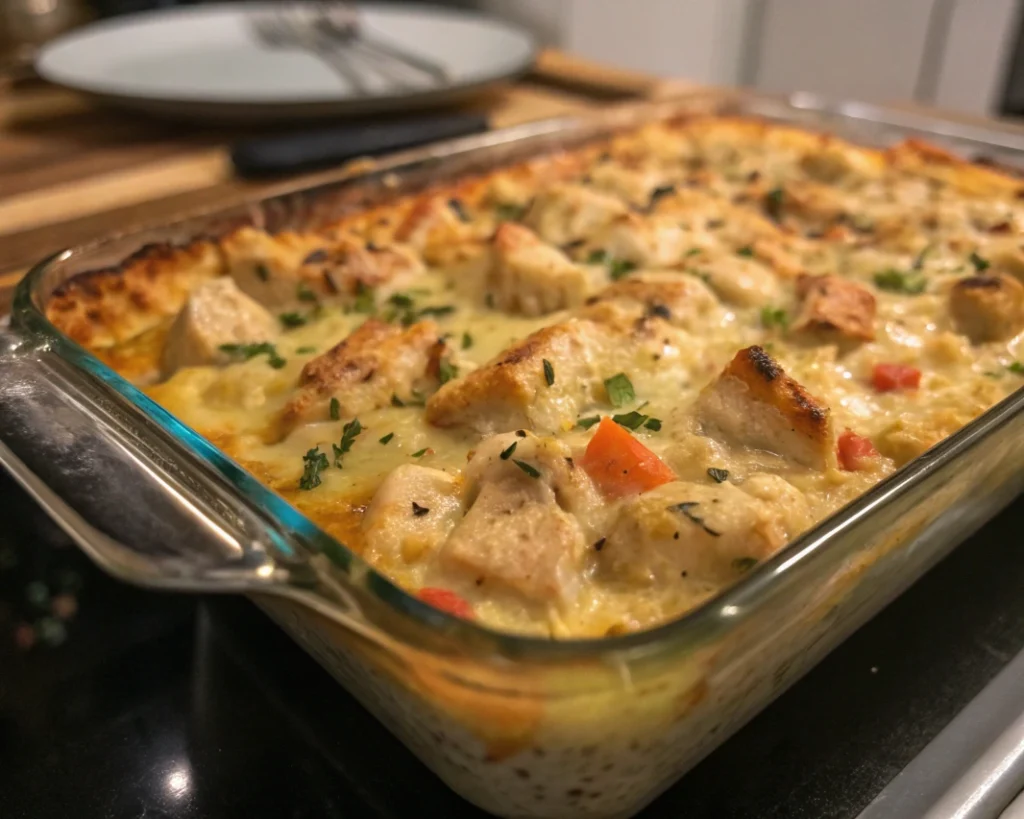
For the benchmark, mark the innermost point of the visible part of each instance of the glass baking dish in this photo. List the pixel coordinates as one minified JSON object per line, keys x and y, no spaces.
{"x":522,"y":727}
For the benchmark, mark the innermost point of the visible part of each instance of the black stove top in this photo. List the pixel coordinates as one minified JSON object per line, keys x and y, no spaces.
{"x":115,"y":702}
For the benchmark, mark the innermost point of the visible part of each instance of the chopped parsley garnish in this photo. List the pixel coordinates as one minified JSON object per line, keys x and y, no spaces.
{"x":304,"y":350}
{"x":773,"y":203}
{"x":587,"y":423}
{"x":489,"y":300}
{"x":364,"y":301}
{"x":744,"y":564}
{"x":432,"y":310}
{"x":980,"y":263}
{"x":292,"y":319}
{"x":507,"y":453}
{"x":396,"y":401}
{"x":509,"y":212}
{"x":660,"y":193}
{"x":446,"y":371}
{"x":549,"y":372}
{"x":599,"y":544}
{"x":458,"y":209}
{"x":630,"y":420}
{"x":467,"y":341}
{"x":686,"y":509}
{"x":386,"y":439}
{"x":303,"y":293}
{"x":401,"y":300}
{"x":348,"y":437}
{"x":1017,"y":368}
{"x":620,"y":390}
{"x":247,"y":351}
{"x":262,"y":272}
{"x":618,"y":268}
{"x":774,"y":317}
{"x":747,"y":252}
{"x":896,"y":281}
{"x":419,"y":511}
{"x":335,"y":409}
{"x":694,"y":251}
{"x":532,"y":471}
{"x":918,"y":262}
{"x":314,"y":462}
{"x":420,"y":452}
{"x":597,"y":257}
{"x":718,"y":475}
{"x":653,"y":424}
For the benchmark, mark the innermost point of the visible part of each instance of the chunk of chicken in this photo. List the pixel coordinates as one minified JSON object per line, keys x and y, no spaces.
{"x":271,"y":269}
{"x":754,"y":403}
{"x":511,"y":391}
{"x":682,"y":301}
{"x":363,"y":372}
{"x":703,"y":532}
{"x":988,"y":308}
{"x":632,"y":184}
{"x":411,"y":515}
{"x":650,"y":241}
{"x":520,"y":532}
{"x":738,"y":280}
{"x":216,"y":313}
{"x":835,"y":306}
{"x":352,"y":267}
{"x":531,"y":277}
{"x":565,"y":213}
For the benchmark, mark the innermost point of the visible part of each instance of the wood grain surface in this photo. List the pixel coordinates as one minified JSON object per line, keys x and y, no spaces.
{"x":72,"y":171}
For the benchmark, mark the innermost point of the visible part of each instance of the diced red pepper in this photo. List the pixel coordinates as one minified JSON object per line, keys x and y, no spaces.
{"x":855,"y":452}
{"x":446,"y":600}
{"x":620,"y":464}
{"x":889,"y":377}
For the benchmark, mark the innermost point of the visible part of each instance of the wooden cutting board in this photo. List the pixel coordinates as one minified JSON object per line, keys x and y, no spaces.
{"x":72,"y":171}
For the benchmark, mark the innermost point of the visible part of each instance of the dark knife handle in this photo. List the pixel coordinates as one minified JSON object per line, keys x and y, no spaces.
{"x":324,"y":147}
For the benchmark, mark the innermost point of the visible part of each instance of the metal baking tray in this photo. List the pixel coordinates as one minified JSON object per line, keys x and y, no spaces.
{"x":523,"y":727}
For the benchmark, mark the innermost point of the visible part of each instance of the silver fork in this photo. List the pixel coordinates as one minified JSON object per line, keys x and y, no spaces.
{"x":281,"y":29}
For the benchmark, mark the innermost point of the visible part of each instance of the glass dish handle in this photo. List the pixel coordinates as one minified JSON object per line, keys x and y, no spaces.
{"x":120,"y":495}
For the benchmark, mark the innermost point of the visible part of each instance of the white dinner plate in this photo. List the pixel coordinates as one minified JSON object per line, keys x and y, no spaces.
{"x":207,"y":62}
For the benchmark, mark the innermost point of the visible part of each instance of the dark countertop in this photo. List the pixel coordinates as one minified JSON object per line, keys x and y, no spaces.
{"x":150,"y":705}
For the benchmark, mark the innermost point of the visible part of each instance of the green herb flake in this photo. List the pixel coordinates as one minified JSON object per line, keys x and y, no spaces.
{"x":587,"y":423}
{"x":403,"y":300}
{"x":549,"y":373}
{"x":305,"y":350}
{"x":597,"y":257}
{"x":620,"y":390}
{"x":509,"y":212}
{"x":630,"y":420}
{"x":420,"y":452}
{"x":744,"y":564}
{"x":303,"y":293}
{"x":396,"y":401}
{"x":446,"y":371}
{"x":980,"y":263}
{"x":507,"y":453}
{"x":1017,"y":368}
{"x":467,"y":341}
{"x":773,"y":203}
{"x":246,"y":351}
{"x":532,"y":471}
{"x":660,"y":193}
{"x":386,"y":439}
{"x":335,"y":409}
{"x":718,"y":475}
{"x":348,"y":437}
{"x":918,"y":262}
{"x":314,"y":462}
{"x":262,"y":272}
{"x":694,"y":251}
{"x":747,"y":252}
{"x":896,"y":281}
{"x":686,"y":509}
{"x":292,"y":319}
{"x":364,"y":301}
{"x":653,"y":424}
{"x":774,"y":317}
{"x":458,"y":209}
{"x":617,"y":268}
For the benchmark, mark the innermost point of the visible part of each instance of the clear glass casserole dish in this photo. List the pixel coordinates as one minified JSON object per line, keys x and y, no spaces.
{"x":522,"y":727}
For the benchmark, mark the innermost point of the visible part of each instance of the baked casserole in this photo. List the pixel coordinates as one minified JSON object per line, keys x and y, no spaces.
{"x":580,"y":395}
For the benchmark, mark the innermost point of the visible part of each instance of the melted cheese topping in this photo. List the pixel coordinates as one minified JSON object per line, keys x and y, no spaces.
{"x":751,"y":219}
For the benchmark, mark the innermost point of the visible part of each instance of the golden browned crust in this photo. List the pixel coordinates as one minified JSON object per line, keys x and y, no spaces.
{"x":988,"y":308}
{"x":835,"y":306}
